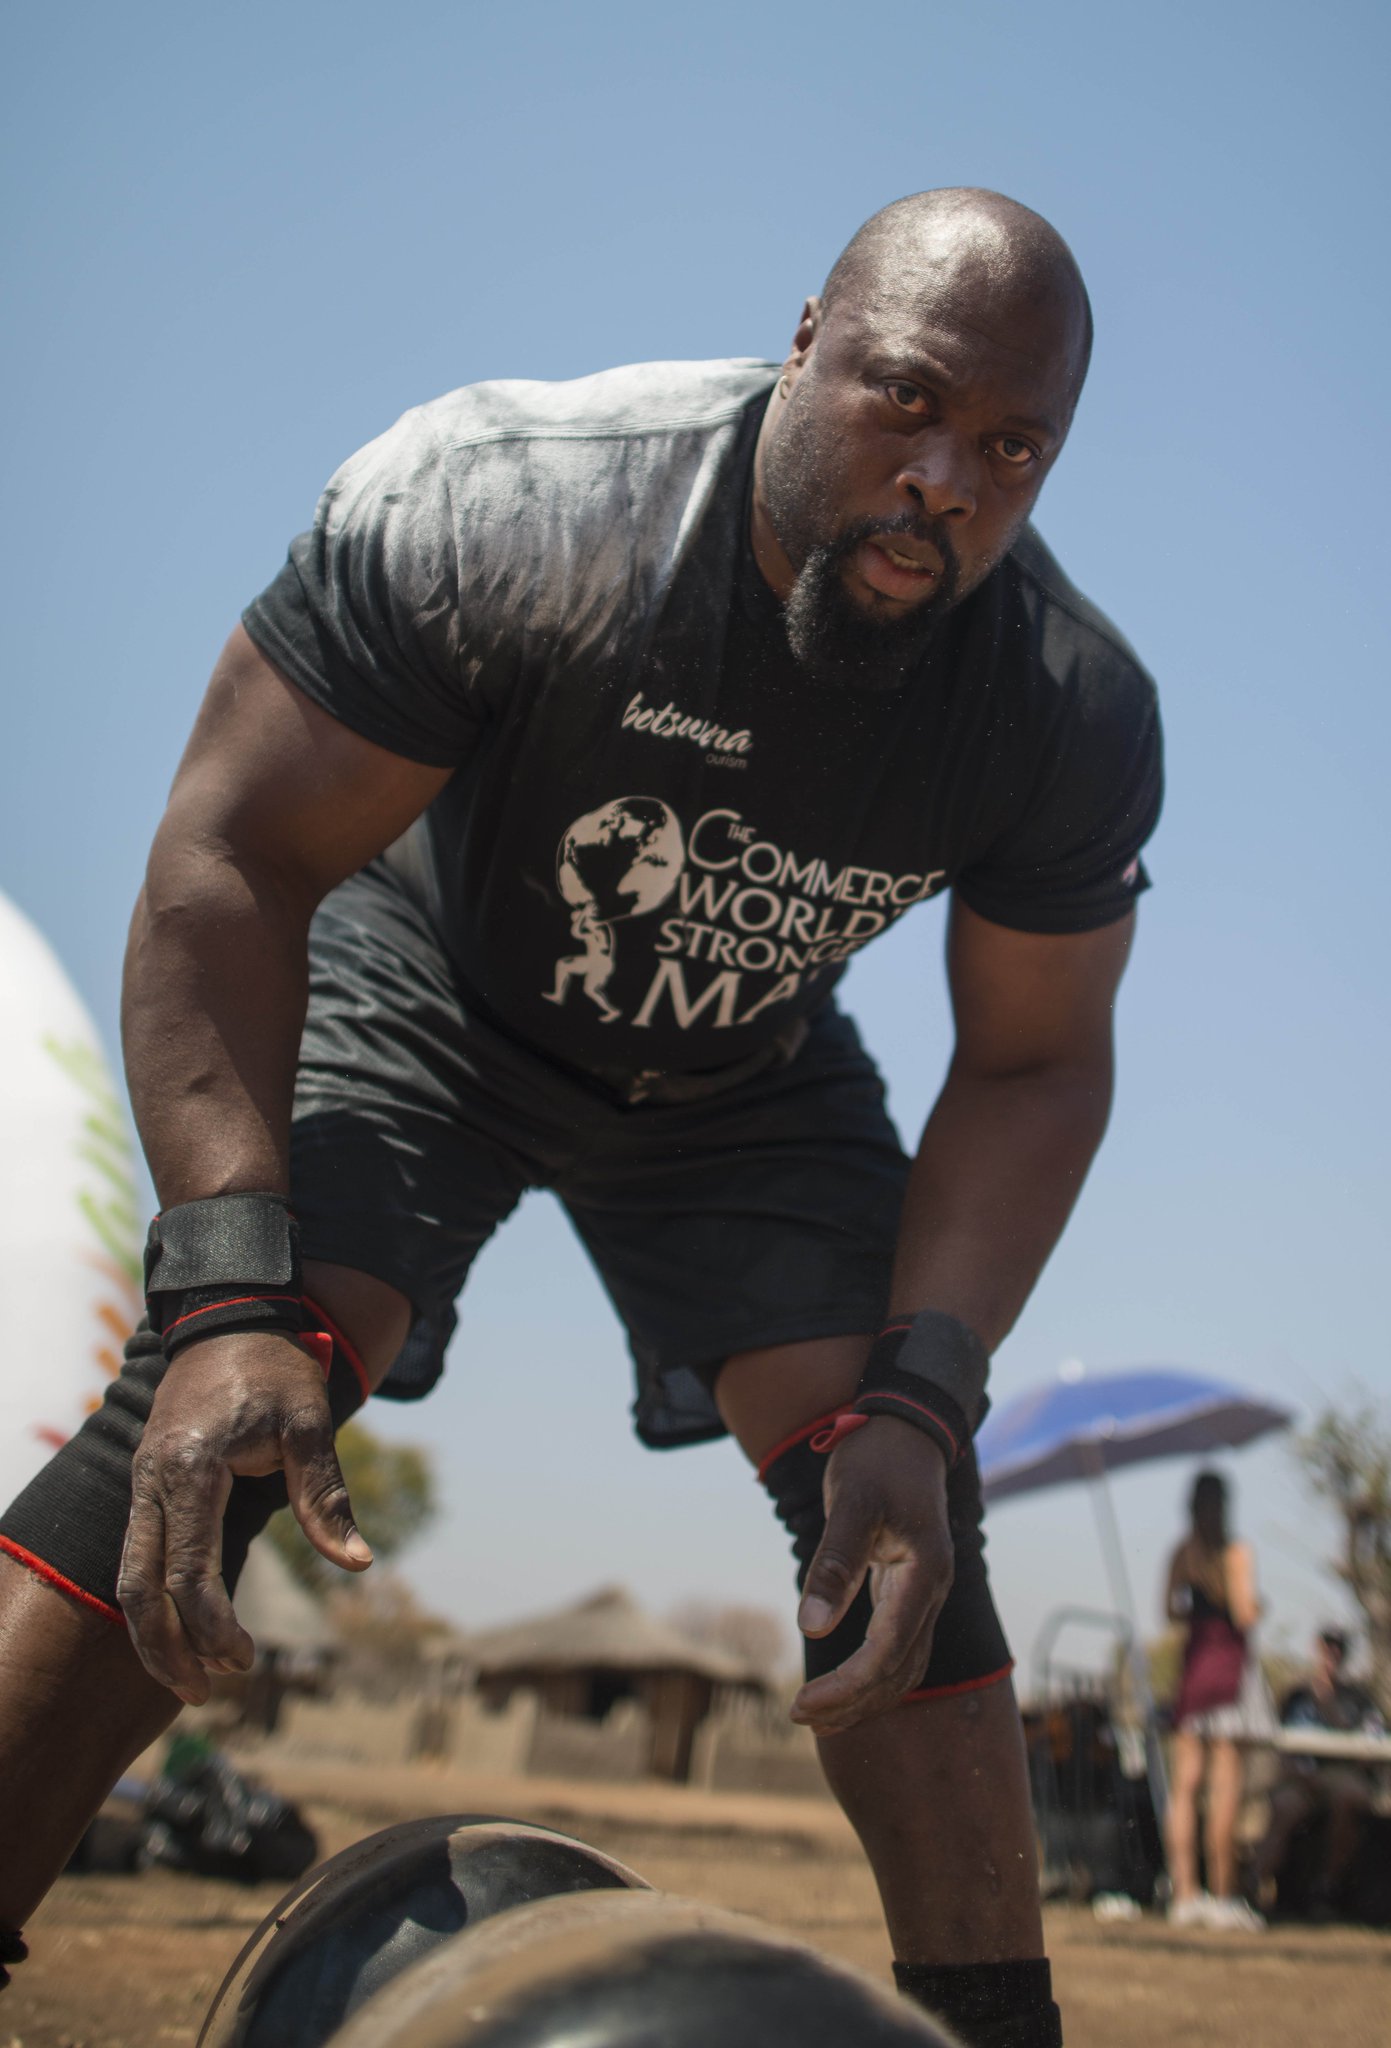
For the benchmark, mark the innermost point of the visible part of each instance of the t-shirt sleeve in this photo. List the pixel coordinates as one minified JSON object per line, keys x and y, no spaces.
{"x":1069,"y":861}
{"x":364,"y":616}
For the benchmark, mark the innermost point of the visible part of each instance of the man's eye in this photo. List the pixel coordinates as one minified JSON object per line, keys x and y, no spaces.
{"x":907,"y":396}
{"x":1018,"y":454}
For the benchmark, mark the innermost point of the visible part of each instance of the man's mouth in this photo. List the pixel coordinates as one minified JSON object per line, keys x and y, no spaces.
{"x":898,"y":571}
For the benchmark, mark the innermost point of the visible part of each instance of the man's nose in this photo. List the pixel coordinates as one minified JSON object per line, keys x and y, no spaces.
{"x":939,"y":477}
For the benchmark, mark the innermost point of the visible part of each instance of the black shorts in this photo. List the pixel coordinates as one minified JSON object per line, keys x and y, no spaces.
{"x":762,"y":1214}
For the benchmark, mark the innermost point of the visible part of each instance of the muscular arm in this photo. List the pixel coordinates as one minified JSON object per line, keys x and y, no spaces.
{"x":1018,"y":1121}
{"x":1002,"y":1160}
{"x":273,"y":804}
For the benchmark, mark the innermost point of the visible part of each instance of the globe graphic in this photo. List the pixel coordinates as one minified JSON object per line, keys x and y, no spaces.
{"x":622,"y":860}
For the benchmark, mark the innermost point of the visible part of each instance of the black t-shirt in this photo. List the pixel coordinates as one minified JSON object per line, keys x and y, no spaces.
{"x":664,"y":839}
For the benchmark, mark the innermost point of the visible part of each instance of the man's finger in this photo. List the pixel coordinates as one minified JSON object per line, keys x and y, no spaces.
{"x":193,"y":1570}
{"x":856,"y":1691}
{"x":909,"y":1595}
{"x":865,"y":1684}
{"x":319,"y":1494}
{"x":837,"y":1571}
{"x":155,"y":1629}
{"x":874,"y":1678}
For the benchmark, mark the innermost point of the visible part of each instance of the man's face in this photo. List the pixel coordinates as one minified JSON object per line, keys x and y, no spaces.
{"x":904,"y":461}
{"x":1329,"y":1652}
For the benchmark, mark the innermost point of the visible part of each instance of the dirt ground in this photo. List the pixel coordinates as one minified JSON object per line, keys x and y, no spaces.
{"x":132,"y":1962}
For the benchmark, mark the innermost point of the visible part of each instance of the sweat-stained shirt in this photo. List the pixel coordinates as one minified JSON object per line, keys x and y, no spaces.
{"x":664,"y":838}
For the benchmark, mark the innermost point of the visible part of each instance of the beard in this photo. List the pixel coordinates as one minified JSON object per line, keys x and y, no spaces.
{"x":832,"y":636}
{"x":840,"y":641}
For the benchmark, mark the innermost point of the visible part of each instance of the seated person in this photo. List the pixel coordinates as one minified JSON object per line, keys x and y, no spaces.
{"x":1322,"y":1788}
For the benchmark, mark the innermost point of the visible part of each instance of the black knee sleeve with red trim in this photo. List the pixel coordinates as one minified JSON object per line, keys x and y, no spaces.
{"x":969,"y":1649}
{"x":69,"y":1523}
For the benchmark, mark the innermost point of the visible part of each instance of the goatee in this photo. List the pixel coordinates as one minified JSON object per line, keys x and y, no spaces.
{"x":839,"y":641}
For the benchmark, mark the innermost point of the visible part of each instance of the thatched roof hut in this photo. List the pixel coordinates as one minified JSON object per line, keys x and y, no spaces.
{"x":584,"y":1660}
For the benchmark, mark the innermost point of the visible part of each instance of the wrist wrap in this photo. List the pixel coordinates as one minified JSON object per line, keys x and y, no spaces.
{"x":930,"y":1370}
{"x":228,"y":1263}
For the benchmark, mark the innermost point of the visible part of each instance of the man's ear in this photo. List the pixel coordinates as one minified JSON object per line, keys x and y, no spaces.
{"x":808,"y":327}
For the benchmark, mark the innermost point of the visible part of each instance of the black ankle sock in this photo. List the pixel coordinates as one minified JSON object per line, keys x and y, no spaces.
{"x":990,"y":2005}
{"x":12,"y":1950}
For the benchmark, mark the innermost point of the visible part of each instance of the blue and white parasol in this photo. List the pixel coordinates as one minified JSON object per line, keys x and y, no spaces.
{"x":1080,"y":1426}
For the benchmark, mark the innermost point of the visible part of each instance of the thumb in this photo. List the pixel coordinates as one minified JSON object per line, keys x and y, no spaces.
{"x":837,"y":1571}
{"x":319,"y":1496}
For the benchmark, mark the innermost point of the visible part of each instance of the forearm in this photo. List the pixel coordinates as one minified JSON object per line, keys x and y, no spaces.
{"x":212,"y":1011}
{"x":1002,"y":1160}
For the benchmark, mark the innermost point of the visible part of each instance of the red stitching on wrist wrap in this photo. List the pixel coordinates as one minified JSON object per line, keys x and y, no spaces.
{"x":232,"y":1301}
{"x":931,"y":1413}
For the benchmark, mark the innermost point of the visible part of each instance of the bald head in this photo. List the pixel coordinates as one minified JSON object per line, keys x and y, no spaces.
{"x":925,"y":398}
{"x":979,"y":251}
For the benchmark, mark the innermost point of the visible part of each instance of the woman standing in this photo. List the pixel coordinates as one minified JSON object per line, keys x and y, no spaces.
{"x":1212,"y":1587}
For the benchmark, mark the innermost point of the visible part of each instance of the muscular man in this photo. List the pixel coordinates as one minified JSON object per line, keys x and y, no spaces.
{"x":720,"y":668}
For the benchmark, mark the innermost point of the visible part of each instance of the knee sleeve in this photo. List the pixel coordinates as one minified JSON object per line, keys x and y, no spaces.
{"x":69,"y":1523}
{"x":969,"y":1649}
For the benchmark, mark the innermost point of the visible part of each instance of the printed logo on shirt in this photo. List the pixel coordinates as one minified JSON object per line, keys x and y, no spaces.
{"x":620,"y":861}
{"x":722,"y":748}
{"x":749,"y":922}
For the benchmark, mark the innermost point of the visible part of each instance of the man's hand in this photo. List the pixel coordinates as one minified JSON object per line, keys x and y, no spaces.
{"x":244,"y":1404}
{"x":886,"y":1500}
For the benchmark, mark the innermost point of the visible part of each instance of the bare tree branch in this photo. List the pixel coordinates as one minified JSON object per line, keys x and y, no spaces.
{"x":1346,"y":1460}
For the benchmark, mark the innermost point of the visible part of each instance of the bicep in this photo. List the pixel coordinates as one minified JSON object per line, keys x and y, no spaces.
{"x":1026,"y":1000}
{"x":268,"y":776}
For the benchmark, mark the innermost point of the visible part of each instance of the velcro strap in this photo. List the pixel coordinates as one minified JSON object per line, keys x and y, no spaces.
{"x":930,"y":1370}
{"x":244,"y":1244}
{"x":230,"y":1262}
{"x":206,"y":1312}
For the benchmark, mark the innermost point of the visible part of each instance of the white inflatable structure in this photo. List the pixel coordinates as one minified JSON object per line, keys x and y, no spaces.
{"x":70,"y":1233}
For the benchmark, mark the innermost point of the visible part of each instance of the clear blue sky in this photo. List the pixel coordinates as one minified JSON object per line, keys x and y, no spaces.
{"x":240,"y":241}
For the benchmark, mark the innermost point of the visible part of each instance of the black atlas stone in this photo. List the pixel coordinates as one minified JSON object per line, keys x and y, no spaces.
{"x":353,"y":1924}
{"x":633,"y":1970}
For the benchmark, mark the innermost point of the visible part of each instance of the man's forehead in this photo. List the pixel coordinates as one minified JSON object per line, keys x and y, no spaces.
{"x":1019,"y":354}
{"x":976,"y":276}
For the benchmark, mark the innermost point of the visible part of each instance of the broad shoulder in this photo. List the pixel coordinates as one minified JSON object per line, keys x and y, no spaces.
{"x":637,"y":399}
{"x":1077,"y":650}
